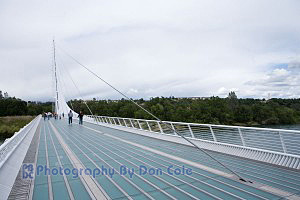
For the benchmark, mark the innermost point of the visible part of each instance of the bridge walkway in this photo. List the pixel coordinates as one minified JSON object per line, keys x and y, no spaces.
{"x":91,"y":146}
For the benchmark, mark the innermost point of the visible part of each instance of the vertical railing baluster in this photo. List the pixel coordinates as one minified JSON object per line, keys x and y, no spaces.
{"x":173,"y":129}
{"x":282,"y":142}
{"x":131,"y":123}
{"x":119,"y":121}
{"x":191,"y":131}
{"x":148,"y":126}
{"x":138,"y":121}
{"x":161,"y":130}
{"x":213,"y":134}
{"x":242,"y":138}
{"x":125,"y":122}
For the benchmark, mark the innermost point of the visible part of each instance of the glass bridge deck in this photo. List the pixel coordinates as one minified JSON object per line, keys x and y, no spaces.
{"x":95,"y":148}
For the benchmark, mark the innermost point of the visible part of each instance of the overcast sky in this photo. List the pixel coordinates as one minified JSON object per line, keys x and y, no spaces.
{"x":151,"y":48}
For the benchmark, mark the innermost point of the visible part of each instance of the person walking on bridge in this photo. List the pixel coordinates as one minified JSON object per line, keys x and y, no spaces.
{"x":45,"y":116}
{"x":48,"y":115}
{"x":80,"y":115}
{"x":70,"y":115}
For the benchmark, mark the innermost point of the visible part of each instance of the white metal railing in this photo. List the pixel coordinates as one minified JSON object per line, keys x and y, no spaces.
{"x":277,"y":140}
{"x":8,"y":147}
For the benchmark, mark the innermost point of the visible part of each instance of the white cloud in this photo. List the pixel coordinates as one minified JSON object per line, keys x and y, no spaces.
{"x":132,"y":91}
{"x":284,"y":83}
{"x":151,"y":48}
{"x":280,"y":72}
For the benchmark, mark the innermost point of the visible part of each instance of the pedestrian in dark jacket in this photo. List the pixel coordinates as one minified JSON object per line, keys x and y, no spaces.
{"x":80,"y":115}
{"x":70,"y":115}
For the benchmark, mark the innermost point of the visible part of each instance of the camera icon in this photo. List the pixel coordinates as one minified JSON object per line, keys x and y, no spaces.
{"x":28,"y":170}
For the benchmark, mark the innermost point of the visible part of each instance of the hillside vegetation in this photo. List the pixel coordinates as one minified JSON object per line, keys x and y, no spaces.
{"x":230,"y":111}
{"x":10,"y":125}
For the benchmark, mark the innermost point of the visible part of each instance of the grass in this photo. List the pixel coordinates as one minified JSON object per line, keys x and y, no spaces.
{"x":10,"y":125}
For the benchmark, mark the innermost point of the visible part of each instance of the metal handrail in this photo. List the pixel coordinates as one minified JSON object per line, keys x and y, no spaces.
{"x":7,"y":148}
{"x":278,"y":140}
{"x":216,"y":125}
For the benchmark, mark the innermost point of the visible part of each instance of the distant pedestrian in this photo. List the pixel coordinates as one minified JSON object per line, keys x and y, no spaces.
{"x":48,"y":115}
{"x":63,"y":115}
{"x":70,"y":115}
{"x":80,"y":115}
{"x":45,"y":116}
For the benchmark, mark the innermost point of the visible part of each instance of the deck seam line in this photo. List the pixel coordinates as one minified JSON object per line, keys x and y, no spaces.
{"x":50,"y":192}
{"x":111,"y":180}
{"x":157,"y":177}
{"x":196,"y":180}
{"x":96,"y":190}
{"x":256,"y":175}
{"x":184,"y":182}
{"x":262,"y":187}
{"x":71,"y":195}
{"x":36,"y":156}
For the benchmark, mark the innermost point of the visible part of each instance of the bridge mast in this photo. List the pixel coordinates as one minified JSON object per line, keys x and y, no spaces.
{"x":55,"y":76}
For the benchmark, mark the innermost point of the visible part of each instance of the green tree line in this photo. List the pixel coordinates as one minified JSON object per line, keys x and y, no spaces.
{"x":16,"y":113}
{"x":216,"y":110}
{"x":231,"y":110}
{"x":11,"y":106}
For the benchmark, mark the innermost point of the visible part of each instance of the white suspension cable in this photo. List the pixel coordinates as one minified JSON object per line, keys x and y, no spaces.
{"x":61,"y":70}
{"x":158,"y":119}
{"x":78,"y":90}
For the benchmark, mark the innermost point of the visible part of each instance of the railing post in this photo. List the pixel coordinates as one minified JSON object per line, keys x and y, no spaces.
{"x":114,"y":121}
{"x":119,"y":121}
{"x":148,"y":126}
{"x":242,"y":138}
{"x":213,"y":134}
{"x":106,"y":120}
{"x":282,"y":142}
{"x":139,"y":124}
{"x":173,"y":128}
{"x":160,"y":127}
{"x":191,"y":131}
{"x":131,"y":123}
{"x":125,"y":122}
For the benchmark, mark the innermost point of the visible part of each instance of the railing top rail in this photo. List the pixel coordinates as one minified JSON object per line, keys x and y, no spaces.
{"x":7,"y":148}
{"x":216,"y":125}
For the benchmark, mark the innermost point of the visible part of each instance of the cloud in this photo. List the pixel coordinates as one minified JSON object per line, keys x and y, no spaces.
{"x":225,"y":91}
{"x":151,"y":48}
{"x":132,"y":91}
{"x":284,"y":83}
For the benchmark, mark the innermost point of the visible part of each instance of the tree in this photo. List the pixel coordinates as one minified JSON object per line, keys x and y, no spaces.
{"x":6,"y":95}
{"x":232,"y":95}
{"x":1,"y":96}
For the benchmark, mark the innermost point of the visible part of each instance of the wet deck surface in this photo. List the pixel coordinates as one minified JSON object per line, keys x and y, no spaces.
{"x":102,"y":147}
